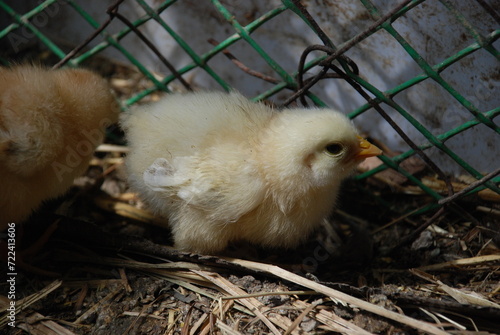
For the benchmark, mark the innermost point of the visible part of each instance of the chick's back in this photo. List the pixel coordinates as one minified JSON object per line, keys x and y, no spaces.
{"x":182,"y":125}
{"x":50,"y":123}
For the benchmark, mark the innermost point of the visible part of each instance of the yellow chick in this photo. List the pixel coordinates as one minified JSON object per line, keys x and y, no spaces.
{"x":222,"y":168}
{"x":50,"y":123}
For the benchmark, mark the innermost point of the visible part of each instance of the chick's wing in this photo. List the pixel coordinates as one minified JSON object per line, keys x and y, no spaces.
{"x":225,"y":189}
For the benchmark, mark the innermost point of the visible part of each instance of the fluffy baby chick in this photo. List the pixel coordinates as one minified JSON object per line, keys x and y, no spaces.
{"x":50,"y":123}
{"x":222,"y":168}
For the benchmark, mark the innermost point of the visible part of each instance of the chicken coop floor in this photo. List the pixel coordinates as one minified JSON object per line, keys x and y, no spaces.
{"x":107,"y":267}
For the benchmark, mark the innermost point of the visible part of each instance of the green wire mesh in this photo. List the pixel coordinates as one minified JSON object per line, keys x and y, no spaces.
{"x":24,"y":26}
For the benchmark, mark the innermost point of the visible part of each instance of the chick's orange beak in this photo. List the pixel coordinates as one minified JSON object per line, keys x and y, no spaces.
{"x":366,"y":149}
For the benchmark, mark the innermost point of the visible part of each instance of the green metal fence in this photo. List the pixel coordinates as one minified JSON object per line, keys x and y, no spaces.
{"x":24,"y":26}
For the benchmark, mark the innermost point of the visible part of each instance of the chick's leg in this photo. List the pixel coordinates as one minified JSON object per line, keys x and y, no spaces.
{"x":201,"y":237}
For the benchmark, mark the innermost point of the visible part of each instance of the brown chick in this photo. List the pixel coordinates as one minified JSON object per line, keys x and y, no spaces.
{"x":50,"y":123}
{"x":222,"y":168}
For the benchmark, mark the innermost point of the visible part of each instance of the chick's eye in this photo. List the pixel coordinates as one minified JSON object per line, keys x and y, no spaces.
{"x":334,"y":149}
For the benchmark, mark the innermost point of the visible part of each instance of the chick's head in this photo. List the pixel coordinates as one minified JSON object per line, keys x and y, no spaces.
{"x":320,"y":146}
